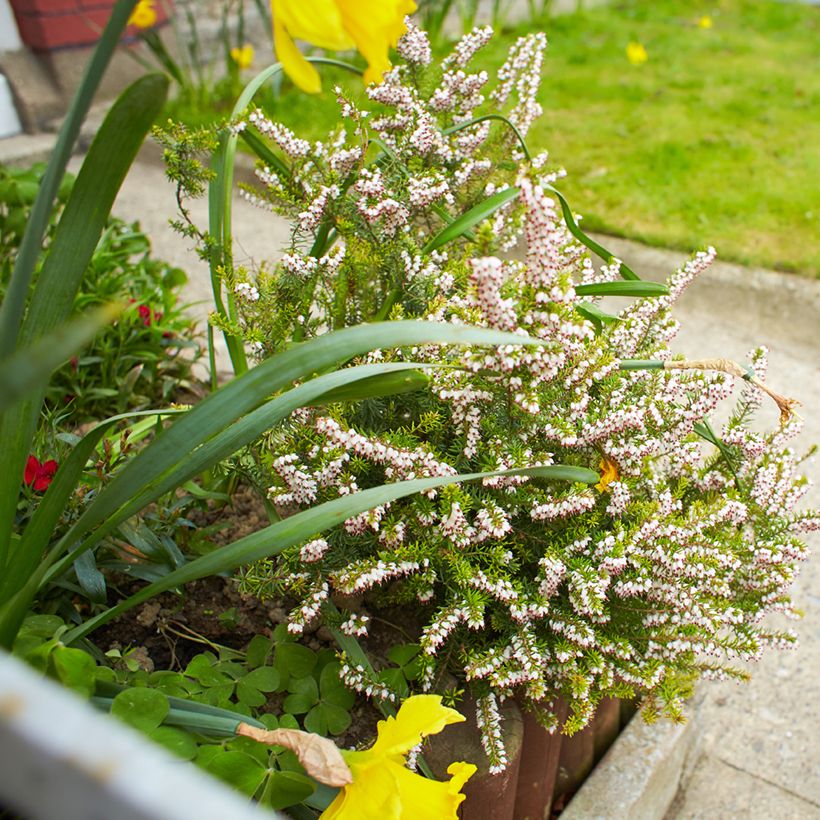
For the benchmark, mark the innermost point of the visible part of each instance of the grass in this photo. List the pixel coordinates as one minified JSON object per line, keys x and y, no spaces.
{"x":714,"y":140}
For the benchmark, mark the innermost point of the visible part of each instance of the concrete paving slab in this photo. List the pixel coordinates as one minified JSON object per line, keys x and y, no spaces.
{"x":639,"y":776}
{"x":23,"y":150}
{"x":719,"y":791}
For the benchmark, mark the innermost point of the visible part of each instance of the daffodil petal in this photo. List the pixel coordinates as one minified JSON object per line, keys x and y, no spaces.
{"x":375,"y":26}
{"x":419,"y":716}
{"x":318,"y":22}
{"x":303,"y":74}
{"x":461,"y":772}
{"x":423,"y":799}
{"x":373,"y":795}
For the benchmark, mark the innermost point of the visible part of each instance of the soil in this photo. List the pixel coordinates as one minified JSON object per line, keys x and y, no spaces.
{"x":169,"y":630}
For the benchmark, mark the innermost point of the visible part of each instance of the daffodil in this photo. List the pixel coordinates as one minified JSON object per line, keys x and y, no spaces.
{"x":636,"y":53}
{"x":143,"y":15}
{"x":383,"y":788}
{"x":243,"y":57}
{"x":371,"y":26}
{"x":609,"y":473}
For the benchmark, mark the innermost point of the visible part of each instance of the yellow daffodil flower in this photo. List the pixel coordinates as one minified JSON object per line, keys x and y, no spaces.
{"x":371,"y":26}
{"x":636,"y":53}
{"x":609,"y":473}
{"x":705,"y":21}
{"x":143,"y":15}
{"x":383,"y":788}
{"x":243,"y":57}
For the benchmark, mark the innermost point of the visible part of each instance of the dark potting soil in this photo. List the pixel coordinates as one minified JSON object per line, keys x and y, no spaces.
{"x":169,"y":630}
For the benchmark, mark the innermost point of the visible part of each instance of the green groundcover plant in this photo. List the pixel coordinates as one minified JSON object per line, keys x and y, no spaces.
{"x":144,"y":357}
{"x":276,"y":683}
{"x":521,"y":587}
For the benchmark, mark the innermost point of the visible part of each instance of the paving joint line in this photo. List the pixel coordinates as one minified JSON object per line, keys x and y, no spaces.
{"x":768,"y":782}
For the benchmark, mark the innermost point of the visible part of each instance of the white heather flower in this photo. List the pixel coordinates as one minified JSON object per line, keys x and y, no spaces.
{"x":488,"y":719}
{"x":244,"y":290}
{"x":356,"y":625}
{"x":414,"y":45}
{"x":313,"y":551}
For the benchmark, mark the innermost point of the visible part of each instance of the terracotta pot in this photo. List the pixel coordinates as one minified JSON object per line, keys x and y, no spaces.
{"x":489,"y":797}
{"x":544,"y":769}
{"x":538,"y":768}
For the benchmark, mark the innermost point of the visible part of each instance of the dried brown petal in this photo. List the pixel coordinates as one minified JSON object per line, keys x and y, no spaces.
{"x":319,"y":755}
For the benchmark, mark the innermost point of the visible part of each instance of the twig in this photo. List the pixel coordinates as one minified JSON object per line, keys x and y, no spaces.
{"x":784,"y":404}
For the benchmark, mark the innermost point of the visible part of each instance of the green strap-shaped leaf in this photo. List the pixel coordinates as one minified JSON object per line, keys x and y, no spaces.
{"x":637,"y":287}
{"x":597,"y":316}
{"x":11,"y":313}
{"x":220,"y":195}
{"x":92,"y":581}
{"x":201,"y":718}
{"x":453,"y":129}
{"x":640,"y":364}
{"x":478,"y":213}
{"x":89,"y":204}
{"x":297,"y":528}
{"x":381,"y":385}
{"x":86,"y":212}
{"x":177,"y":447}
{"x":625,"y":271}
{"x":705,"y":430}
{"x":263,"y":152}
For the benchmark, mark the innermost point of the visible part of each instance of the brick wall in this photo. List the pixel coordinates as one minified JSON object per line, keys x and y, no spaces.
{"x":49,"y":25}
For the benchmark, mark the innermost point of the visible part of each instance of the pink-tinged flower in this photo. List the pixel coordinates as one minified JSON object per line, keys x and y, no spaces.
{"x":38,"y":474}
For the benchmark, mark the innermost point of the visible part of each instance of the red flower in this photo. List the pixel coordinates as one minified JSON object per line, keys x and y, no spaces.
{"x":38,"y":474}
{"x":148,"y":316}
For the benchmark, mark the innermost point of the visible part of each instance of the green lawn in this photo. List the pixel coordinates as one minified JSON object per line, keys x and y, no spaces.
{"x":714,"y":140}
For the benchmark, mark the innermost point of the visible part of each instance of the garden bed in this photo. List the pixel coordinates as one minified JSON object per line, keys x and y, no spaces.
{"x":483,"y":496}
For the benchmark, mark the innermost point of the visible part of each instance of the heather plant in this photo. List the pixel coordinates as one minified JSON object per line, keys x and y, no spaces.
{"x":426,"y":208}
